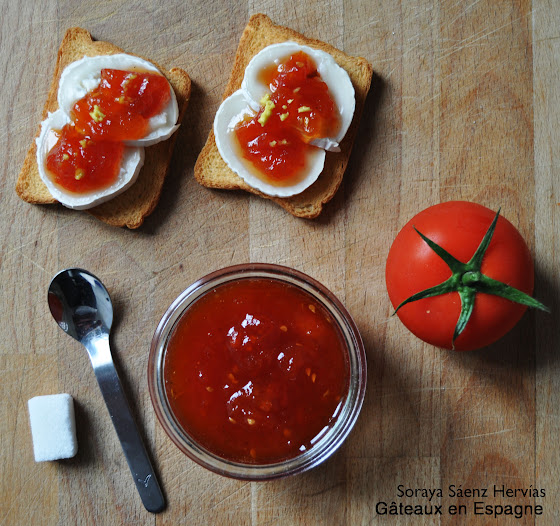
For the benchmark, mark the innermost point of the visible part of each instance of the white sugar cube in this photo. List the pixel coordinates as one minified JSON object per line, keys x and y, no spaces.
{"x":53,"y":427}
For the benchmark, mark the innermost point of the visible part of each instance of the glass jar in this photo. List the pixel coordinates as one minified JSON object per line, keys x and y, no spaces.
{"x":348,"y":409}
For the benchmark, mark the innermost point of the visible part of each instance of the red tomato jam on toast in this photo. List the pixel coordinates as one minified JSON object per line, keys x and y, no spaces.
{"x":299,"y":109}
{"x":88,"y":153}
{"x":81,"y":165}
{"x":119,"y":109}
{"x":256,"y":371}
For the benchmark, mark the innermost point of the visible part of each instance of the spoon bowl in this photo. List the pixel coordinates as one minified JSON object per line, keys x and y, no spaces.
{"x":80,"y":303}
{"x":81,"y":306}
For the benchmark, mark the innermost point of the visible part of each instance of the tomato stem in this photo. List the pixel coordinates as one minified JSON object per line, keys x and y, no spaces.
{"x":468,"y":280}
{"x":471,"y":277}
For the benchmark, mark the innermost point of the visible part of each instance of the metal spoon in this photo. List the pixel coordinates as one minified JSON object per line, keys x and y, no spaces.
{"x":81,"y":306}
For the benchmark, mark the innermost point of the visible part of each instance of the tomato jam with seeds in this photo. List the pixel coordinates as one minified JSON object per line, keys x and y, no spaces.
{"x":256,"y":371}
{"x":74,"y":156}
{"x":298,"y":110}
{"x":88,"y":152}
{"x":119,"y":108}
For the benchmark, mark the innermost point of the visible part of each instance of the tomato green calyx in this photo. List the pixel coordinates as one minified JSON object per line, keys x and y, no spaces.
{"x":467,"y":280}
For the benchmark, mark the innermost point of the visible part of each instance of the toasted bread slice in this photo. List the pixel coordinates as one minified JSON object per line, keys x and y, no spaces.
{"x":212,"y":171}
{"x":132,"y":206}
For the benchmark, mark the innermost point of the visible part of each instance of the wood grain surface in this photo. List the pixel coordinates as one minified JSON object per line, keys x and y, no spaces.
{"x":464,"y":105}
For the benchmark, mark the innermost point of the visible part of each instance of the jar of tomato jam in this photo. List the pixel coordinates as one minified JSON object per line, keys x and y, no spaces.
{"x":257,"y":371}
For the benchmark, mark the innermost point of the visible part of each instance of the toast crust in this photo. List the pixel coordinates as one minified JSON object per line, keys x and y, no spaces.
{"x":212,"y":171}
{"x":132,"y":206}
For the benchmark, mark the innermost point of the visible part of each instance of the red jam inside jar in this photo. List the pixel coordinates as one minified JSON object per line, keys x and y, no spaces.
{"x":88,"y":153}
{"x":298,"y":110}
{"x":255,"y":371}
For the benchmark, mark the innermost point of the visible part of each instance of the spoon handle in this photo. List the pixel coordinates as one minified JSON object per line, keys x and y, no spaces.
{"x":127,"y":431}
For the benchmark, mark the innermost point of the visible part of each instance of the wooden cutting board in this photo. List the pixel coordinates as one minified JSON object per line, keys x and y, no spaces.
{"x":464,"y":105}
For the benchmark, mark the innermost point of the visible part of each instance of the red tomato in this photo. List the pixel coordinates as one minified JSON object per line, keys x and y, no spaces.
{"x":412,"y":266}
